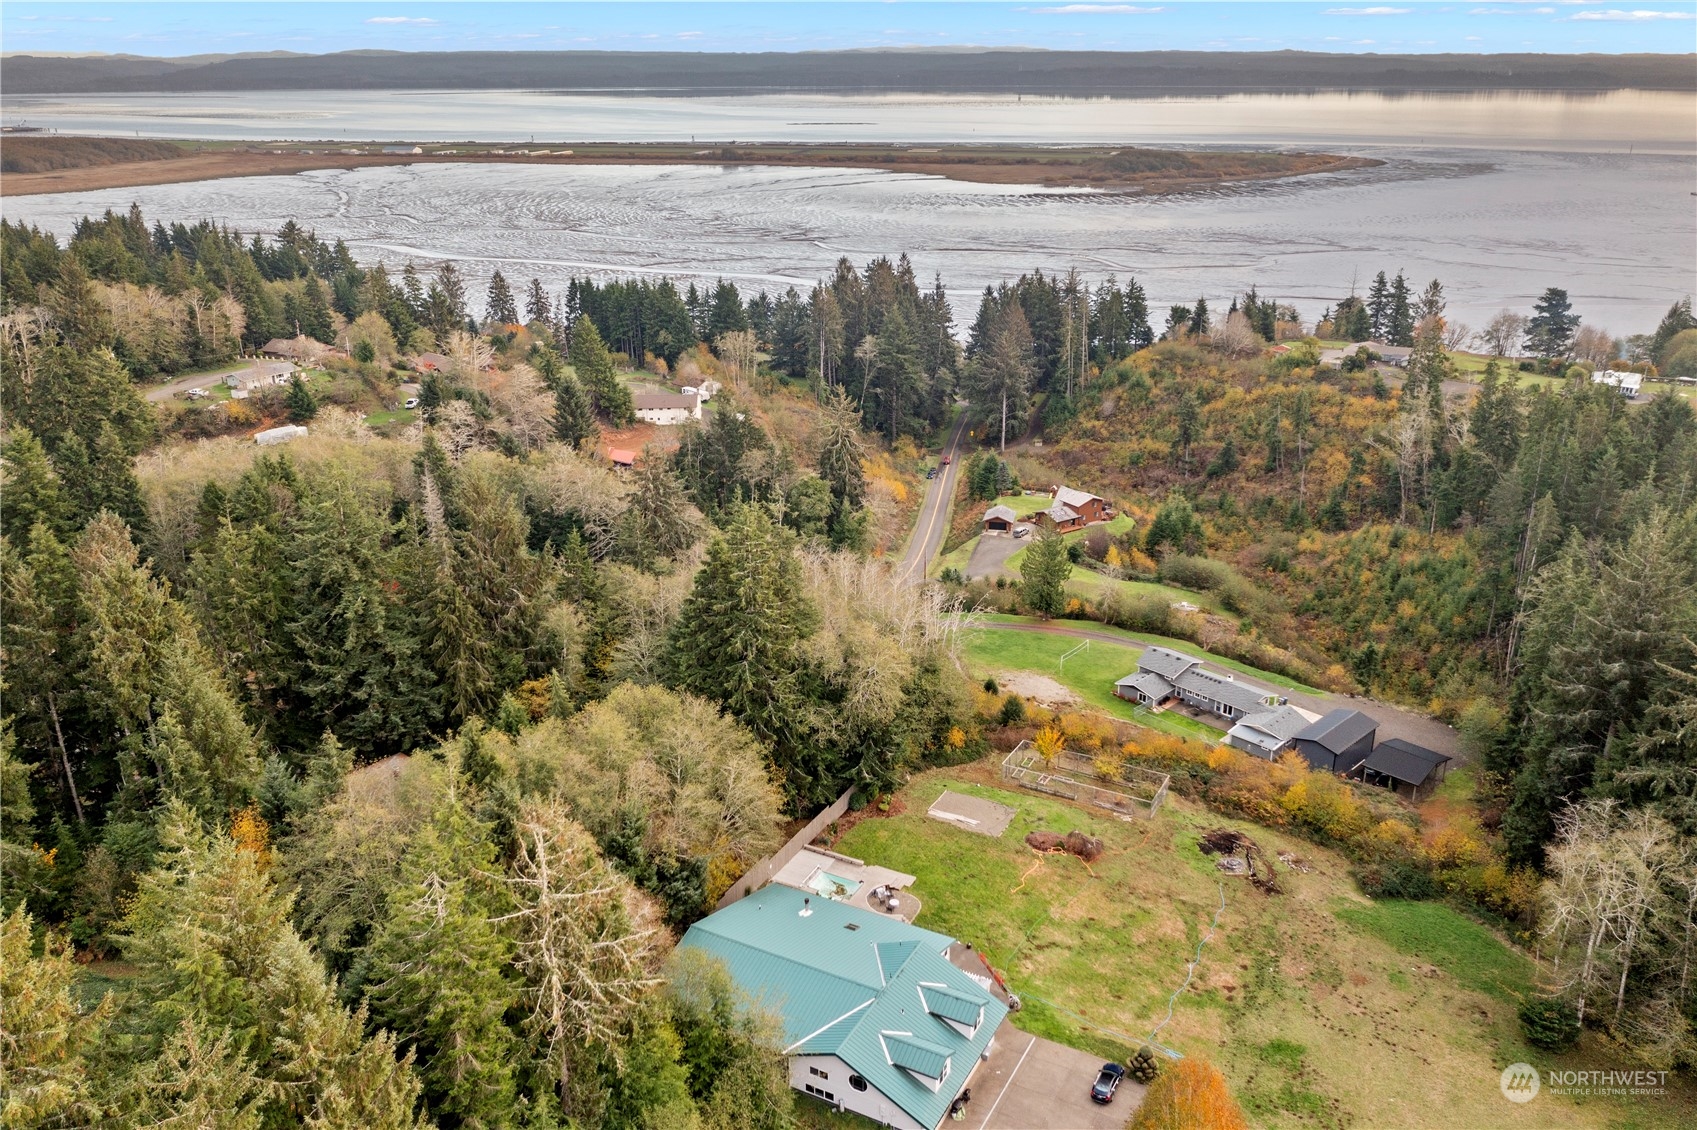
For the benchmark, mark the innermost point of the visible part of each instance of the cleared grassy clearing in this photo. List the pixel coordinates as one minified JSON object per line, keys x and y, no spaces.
{"x":1090,"y":674}
{"x":1323,"y":1008}
{"x":392,"y":416}
{"x":1143,"y":639}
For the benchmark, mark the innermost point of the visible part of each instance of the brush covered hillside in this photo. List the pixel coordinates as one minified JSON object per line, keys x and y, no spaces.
{"x":1387,"y":531}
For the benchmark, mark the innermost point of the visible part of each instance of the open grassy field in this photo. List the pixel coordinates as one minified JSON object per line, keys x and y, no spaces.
{"x":1090,"y":674}
{"x":1323,"y":1008}
{"x":1141,"y":640}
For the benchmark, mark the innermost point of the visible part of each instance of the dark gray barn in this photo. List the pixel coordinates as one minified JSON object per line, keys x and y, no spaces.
{"x":1338,"y":742}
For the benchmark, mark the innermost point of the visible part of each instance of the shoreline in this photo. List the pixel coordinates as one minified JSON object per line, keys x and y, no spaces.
{"x":1124,"y":170}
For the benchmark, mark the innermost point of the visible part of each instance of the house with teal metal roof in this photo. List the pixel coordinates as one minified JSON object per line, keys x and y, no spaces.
{"x":876,"y":1018}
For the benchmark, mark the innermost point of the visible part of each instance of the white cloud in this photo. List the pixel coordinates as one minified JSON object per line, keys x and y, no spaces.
{"x":1096,"y":10}
{"x":422,"y":21}
{"x":1615,"y":15}
{"x":1368,"y":11}
{"x":689,"y":35}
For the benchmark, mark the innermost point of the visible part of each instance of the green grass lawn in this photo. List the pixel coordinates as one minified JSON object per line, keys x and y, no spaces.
{"x":1462,"y":948}
{"x":1090,"y":673}
{"x":1023,"y":505}
{"x":391,"y":416}
{"x":1325,"y":1010}
{"x":1143,"y":639}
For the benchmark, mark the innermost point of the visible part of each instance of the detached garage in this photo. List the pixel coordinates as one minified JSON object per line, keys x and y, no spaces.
{"x":998,"y":519}
{"x":1338,"y":742}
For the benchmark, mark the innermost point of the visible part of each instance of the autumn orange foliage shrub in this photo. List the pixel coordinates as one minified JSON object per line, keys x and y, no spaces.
{"x":251,"y":833}
{"x":1189,"y":1095}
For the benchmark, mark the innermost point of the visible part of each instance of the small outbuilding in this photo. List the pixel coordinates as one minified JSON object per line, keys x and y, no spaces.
{"x":402,"y":151}
{"x":1339,"y":741}
{"x":622,"y":460}
{"x":1409,"y":770}
{"x":999,"y":519}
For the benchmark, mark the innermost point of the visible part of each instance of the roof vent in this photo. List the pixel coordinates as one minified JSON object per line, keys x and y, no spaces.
{"x":851,"y":925}
{"x":806,"y":908}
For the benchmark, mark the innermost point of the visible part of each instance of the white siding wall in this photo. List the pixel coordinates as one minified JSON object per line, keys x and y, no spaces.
{"x":835,"y":1083}
{"x":665,"y":415}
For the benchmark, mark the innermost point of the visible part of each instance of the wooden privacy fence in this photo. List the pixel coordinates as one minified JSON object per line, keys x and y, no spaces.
{"x":761,"y":873}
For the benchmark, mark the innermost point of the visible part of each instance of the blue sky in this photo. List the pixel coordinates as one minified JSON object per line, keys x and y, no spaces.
{"x":1365,"y":25}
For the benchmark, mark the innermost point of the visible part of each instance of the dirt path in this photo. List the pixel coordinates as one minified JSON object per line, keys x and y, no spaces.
{"x":1394,"y":721}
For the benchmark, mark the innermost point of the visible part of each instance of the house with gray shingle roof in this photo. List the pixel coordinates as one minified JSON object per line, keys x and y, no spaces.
{"x":876,"y":1019}
{"x":1075,"y":509}
{"x":1164,"y":674}
{"x":1270,"y":732}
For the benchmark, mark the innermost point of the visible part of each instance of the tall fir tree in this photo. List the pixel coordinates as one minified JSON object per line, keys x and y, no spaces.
{"x":440,"y":970}
{"x":737,"y":639}
{"x":499,"y":306}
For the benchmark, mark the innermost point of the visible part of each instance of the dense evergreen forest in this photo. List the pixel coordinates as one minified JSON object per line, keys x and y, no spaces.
{"x":390,"y":763}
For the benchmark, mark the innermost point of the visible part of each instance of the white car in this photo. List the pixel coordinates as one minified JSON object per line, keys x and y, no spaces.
{"x":196,"y":394}
{"x":412,"y":402}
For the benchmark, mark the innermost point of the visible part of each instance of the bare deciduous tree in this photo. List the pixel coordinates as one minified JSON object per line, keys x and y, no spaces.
{"x":588,"y":944}
{"x":1237,"y":338}
{"x":527,"y":404}
{"x":1619,"y":915}
{"x":736,"y":350}
{"x":1503,"y":334}
{"x":1595,"y":345}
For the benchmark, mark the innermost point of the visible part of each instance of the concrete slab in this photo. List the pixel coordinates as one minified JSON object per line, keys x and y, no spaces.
{"x":975,"y":814}
{"x":1030,"y":1083}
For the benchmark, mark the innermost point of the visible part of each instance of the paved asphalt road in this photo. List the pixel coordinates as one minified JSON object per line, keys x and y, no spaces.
{"x":933,"y":521}
{"x":1394,"y":721}
{"x":203,"y":380}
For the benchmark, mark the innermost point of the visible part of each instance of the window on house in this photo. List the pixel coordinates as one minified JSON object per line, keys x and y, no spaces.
{"x":811,"y":1070}
{"x":857,"y":1082}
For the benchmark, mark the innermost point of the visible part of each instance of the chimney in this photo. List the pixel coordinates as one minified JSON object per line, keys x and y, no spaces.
{"x":806,"y":908}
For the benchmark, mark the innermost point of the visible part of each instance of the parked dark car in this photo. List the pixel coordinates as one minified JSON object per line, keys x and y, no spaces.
{"x":932,"y":473}
{"x":1107,"y":1082}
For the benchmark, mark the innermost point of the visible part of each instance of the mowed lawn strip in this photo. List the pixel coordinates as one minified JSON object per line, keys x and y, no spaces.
{"x":1141,"y":640}
{"x":1090,"y":673}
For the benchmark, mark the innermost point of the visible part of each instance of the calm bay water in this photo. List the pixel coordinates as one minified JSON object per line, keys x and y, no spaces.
{"x":1499,"y":196}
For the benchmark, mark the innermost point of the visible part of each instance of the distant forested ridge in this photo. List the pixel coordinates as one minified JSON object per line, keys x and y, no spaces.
{"x":989,"y":72}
